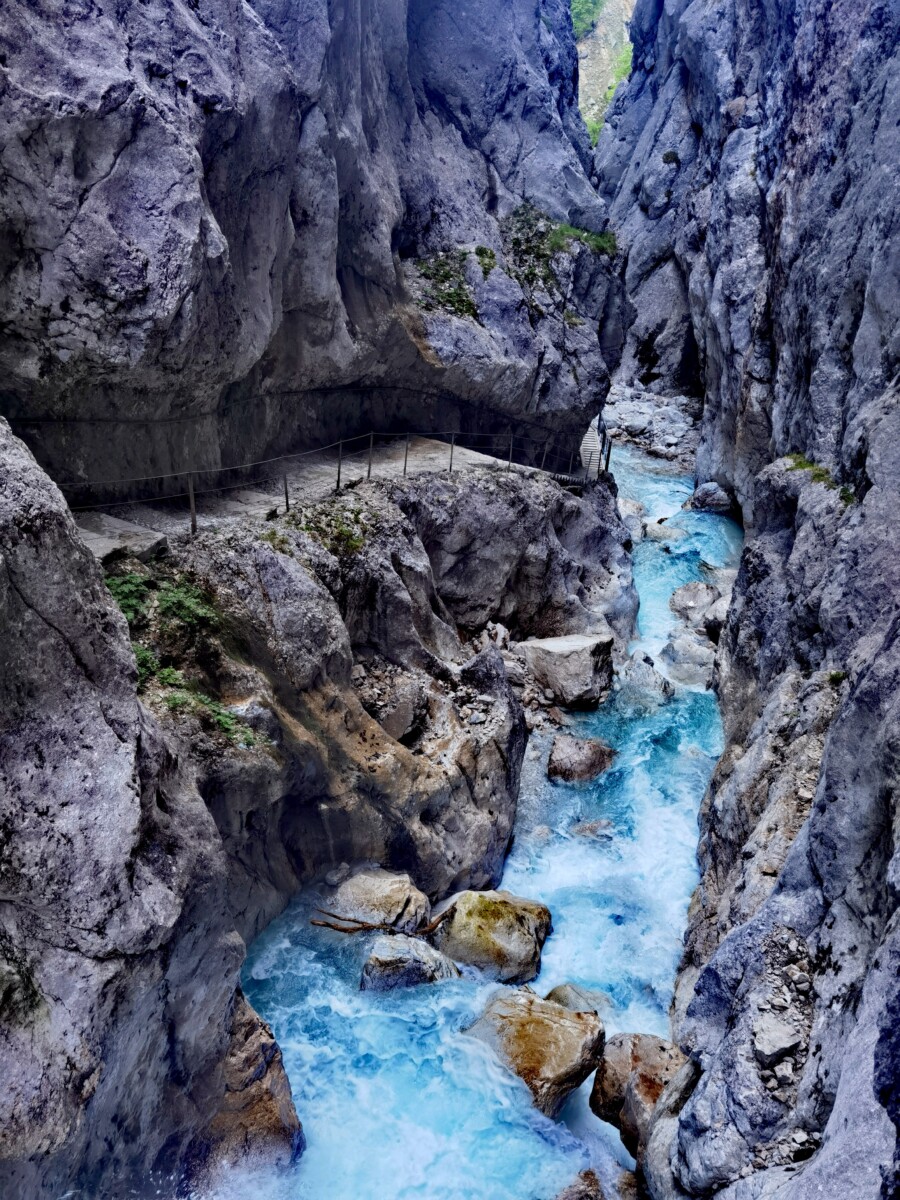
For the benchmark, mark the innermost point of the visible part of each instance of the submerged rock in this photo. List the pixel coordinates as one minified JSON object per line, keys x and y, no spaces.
{"x":576,"y":759}
{"x":642,"y":685}
{"x":400,"y":961}
{"x":629,"y":1081}
{"x":577,"y":669}
{"x":497,"y":932}
{"x":550,"y":1047}
{"x":579,"y":999}
{"x":381,"y":898}
{"x":586,"y":1187}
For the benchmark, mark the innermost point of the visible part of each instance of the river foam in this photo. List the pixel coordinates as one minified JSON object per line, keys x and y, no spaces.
{"x":396,"y":1105}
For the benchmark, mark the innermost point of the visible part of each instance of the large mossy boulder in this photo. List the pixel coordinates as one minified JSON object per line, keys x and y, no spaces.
{"x":497,"y":932}
{"x":550,"y":1047}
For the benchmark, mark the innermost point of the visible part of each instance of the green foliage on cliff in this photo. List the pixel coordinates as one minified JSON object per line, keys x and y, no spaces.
{"x":532,"y":239}
{"x":182,"y":602}
{"x":447,"y":284}
{"x":820,"y":474}
{"x":584,"y":15}
{"x":487,"y":258}
{"x":131,"y":592}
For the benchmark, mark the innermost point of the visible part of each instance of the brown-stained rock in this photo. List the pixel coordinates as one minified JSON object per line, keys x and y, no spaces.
{"x":550,"y":1047}
{"x":578,"y":759}
{"x":257,"y":1119}
{"x":586,"y":1187}
{"x":629,"y":1081}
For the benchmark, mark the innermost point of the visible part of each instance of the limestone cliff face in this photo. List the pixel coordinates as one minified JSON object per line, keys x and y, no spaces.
{"x":751,"y":167}
{"x":211,"y":216}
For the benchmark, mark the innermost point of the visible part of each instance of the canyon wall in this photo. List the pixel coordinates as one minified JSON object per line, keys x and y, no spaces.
{"x":213,"y":219}
{"x":751,"y":169}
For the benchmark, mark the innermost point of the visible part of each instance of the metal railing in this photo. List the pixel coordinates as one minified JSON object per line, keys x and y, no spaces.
{"x":338,"y":456}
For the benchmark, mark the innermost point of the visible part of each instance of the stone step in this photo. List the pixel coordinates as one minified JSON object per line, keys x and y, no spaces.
{"x":109,"y":538}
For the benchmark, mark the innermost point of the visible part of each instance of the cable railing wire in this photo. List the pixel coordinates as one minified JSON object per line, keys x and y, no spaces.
{"x":549,"y":460}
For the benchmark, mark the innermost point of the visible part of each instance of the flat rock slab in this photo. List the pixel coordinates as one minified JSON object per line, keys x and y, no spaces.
{"x":109,"y":538}
{"x":577,"y":669}
{"x":550,"y":1047}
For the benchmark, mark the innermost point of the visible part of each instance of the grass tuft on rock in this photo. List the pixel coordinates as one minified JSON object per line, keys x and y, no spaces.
{"x":447,"y":288}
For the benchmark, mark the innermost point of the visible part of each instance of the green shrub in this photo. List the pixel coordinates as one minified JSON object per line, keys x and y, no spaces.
{"x":185,"y":604}
{"x":147,"y":664}
{"x":593,"y":128}
{"x":487,"y":258}
{"x":131,"y":592}
{"x":584,"y":15}
{"x":836,"y":678}
{"x":177,"y":701}
{"x":670,"y":158}
{"x":598,"y":243}
{"x":170,"y":677}
{"x":277,"y":541}
{"x":847,"y":495}
{"x":448,"y":288}
{"x":572,"y":319}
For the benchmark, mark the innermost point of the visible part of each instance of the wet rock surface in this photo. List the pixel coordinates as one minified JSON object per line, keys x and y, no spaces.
{"x":496,"y":932}
{"x":401,"y":961}
{"x":578,"y":759}
{"x":550,"y":1047}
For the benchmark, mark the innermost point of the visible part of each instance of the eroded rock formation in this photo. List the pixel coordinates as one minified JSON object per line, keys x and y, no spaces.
{"x":232,"y":229}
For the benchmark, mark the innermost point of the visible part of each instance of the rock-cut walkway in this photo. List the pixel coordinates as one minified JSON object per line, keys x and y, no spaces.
{"x":142,"y":528}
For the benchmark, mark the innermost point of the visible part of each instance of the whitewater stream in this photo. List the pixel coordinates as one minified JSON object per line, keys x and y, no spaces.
{"x":395,"y":1103}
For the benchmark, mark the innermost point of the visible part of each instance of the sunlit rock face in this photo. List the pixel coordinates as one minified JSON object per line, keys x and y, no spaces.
{"x":212,"y":214}
{"x":750,"y":166}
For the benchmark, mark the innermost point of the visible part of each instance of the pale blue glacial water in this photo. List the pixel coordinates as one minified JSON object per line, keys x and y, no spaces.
{"x":396,"y":1105}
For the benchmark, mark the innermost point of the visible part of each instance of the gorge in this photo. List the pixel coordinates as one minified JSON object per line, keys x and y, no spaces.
{"x":230,"y":232}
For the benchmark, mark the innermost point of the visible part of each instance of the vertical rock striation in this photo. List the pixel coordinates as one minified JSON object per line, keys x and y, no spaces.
{"x":212,"y":216}
{"x":751,"y":165}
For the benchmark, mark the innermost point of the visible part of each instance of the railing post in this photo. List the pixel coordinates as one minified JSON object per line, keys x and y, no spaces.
{"x":287,"y":501}
{"x":509,"y":463}
{"x":371,"y":443}
{"x":340,"y":457}
{"x":452,"y":444}
{"x":608,"y":452}
{"x":587,"y":473}
{"x":571,"y":461}
{"x":193,"y":505}
{"x":544,"y":456}
{"x":406,"y":454}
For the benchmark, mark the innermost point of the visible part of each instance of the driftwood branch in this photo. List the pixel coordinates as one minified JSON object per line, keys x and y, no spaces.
{"x":354,"y":925}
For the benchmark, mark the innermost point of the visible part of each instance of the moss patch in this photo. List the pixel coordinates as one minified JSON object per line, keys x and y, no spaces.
{"x":487,"y":258}
{"x":447,"y":288}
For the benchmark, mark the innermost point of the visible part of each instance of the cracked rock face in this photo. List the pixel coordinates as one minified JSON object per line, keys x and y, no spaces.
{"x":211,"y":214}
{"x":115,"y":898}
{"x":750,"y":168}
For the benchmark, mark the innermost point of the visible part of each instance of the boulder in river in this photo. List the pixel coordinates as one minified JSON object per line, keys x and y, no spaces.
{"x":577,"y":759}
{"x":550,"y":1047}
{"x":692,"y":601}
{"x":381,"y":898}
{"x":710,"y":497}
{"x":497,"y":932}
{"x":579,"y":999}
{"x":577,"y":668}
{"x":629,"y":1081}
{"x":689,"y":659}
{"x":396,"y":960}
